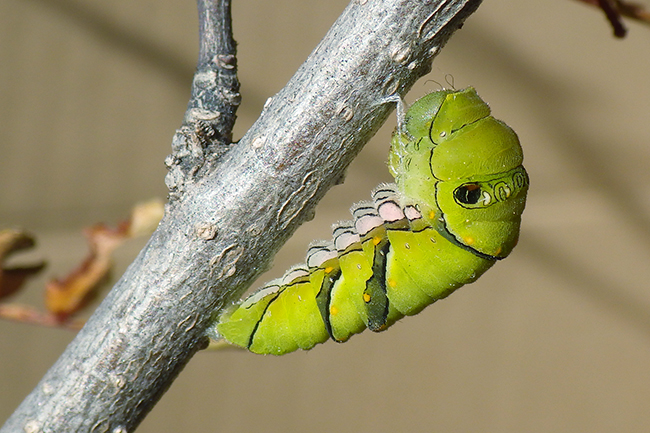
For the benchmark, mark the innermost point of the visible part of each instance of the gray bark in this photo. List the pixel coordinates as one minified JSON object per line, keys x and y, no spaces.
{"x":233,"y":205}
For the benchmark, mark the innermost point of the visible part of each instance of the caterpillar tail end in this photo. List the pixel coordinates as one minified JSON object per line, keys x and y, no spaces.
{"x":222,"y":345}
{"x":217,"y":342}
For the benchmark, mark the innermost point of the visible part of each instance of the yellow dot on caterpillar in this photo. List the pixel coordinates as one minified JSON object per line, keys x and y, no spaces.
{"x":376,"y":240}
{"x":329,"y":269}
{"x":432,"y":214}
{"x":391,"y":282}
{"x":469,"y":240}
{"x":366,"y":298}
{"x":334,"y":310}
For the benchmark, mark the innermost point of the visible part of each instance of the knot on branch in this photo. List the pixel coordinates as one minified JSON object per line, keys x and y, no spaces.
{"x":193,"y":146}
{"x":207,"y":128}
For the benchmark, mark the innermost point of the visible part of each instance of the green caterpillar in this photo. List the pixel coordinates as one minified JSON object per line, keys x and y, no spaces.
{"x":454,"y":211}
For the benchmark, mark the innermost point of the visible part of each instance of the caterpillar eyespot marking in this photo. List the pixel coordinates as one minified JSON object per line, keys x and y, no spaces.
{"x":454,"y":210}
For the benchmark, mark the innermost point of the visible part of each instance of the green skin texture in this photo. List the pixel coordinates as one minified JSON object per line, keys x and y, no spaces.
{"x":462,"y":169}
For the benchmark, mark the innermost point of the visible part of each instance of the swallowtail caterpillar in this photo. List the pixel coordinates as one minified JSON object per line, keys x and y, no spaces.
{"x":454,"y":210}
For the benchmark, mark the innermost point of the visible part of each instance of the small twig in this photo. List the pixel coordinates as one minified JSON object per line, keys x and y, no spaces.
{"x":614,"y":17}
{"x":635,"y":11}
{"x":615,"y":9}
{"x":206,"y":132}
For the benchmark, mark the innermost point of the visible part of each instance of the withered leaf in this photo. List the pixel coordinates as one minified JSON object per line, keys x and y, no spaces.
{"x":66,"y":296}
{"x":13,"y":277}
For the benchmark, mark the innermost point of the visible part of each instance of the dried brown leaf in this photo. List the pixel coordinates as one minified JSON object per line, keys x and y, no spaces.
{"x":66,"y":296}
{"x":145,"y":217}
{"x":13,"y":277}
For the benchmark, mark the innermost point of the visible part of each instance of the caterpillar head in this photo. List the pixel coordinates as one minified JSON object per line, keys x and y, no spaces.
{"x":462,"y":167}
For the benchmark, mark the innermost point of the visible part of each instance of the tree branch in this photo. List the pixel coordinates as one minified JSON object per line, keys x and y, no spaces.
{"x":232,"y":206}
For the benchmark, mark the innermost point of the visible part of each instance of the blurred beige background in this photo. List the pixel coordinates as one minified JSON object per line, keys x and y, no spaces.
{"x":554,"y":339}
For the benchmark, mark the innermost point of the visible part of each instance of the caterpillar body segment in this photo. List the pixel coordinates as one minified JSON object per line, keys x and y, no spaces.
{"x":454,"y":211}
